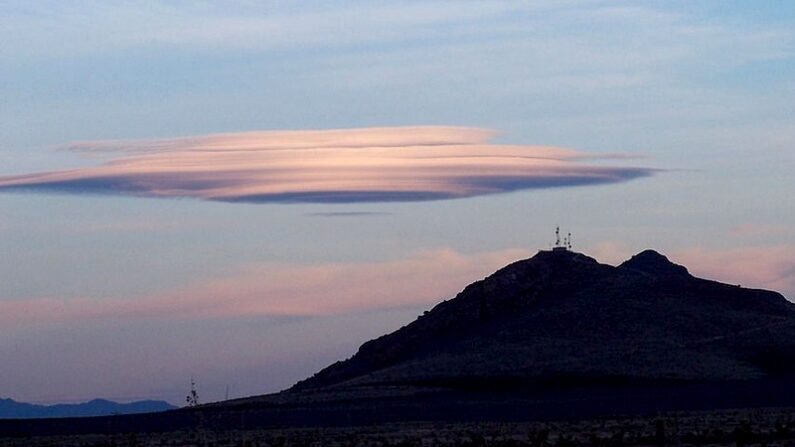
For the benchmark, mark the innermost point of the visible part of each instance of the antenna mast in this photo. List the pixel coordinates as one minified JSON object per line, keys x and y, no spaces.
{"x":561,"y":245}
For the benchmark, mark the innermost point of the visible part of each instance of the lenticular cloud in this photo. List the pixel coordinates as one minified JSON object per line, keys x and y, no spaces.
{"x":350,"y":165}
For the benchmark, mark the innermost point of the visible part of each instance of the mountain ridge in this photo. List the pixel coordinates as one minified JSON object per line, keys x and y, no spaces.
{"x":12,"y":409}
{"x":555,"y":336}
{"x":563,"y":314}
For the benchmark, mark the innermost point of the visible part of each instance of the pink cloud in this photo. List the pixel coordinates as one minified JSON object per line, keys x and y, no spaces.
{"x":427,"y":277}
{"x":351,"y":165}
{"x":283,"y":290}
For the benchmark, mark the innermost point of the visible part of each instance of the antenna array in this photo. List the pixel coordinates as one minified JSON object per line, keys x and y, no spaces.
{"x":565,"y":244}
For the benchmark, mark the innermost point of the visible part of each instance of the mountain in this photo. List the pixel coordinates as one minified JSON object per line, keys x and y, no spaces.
{"x":556,"y":336}
{"x":562,"y":317}
{"x":10,"y":409}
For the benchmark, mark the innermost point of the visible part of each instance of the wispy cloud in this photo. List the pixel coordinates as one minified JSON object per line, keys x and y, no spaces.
{"x":349,"y":214}
{"x":240,"y":25}
{"x":282,"y":290}
{"x":421,"y":279}
{"x":331,"y":166}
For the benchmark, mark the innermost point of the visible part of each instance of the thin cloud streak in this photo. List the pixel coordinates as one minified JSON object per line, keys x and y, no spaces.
{"x":422,"y":279}
{"x":281,"y":290}
{"x":330,"y":166}
{"x":350,"y":214}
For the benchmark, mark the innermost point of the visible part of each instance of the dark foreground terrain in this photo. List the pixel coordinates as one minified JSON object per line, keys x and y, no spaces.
{"x":758,"y":427}
{"x":397,"y":410}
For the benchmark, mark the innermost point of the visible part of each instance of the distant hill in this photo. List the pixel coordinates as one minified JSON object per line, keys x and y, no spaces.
{"x":562,"y":317}
{"x":11,"y":409}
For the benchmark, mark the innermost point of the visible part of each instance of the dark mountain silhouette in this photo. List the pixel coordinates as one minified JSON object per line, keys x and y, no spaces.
{"x":11,"y":409}
{"x":558,"y":335}
{"x":561,"y":316}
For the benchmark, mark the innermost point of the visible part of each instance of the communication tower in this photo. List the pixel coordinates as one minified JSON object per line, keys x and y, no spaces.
{"x":561,"y":245}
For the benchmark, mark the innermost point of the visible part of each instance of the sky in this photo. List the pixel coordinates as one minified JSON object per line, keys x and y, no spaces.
{"x":244,"y":193}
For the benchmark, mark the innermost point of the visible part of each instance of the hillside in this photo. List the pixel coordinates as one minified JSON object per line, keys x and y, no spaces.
{"x":561,"y":317}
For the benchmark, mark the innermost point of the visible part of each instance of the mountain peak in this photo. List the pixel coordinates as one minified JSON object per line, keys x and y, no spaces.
{"x":650,"y":261}
{"x":563,"y":314}
{"x":560,"y":254}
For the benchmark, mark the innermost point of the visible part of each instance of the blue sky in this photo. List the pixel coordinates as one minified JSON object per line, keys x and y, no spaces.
{"x":702,"y":91}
